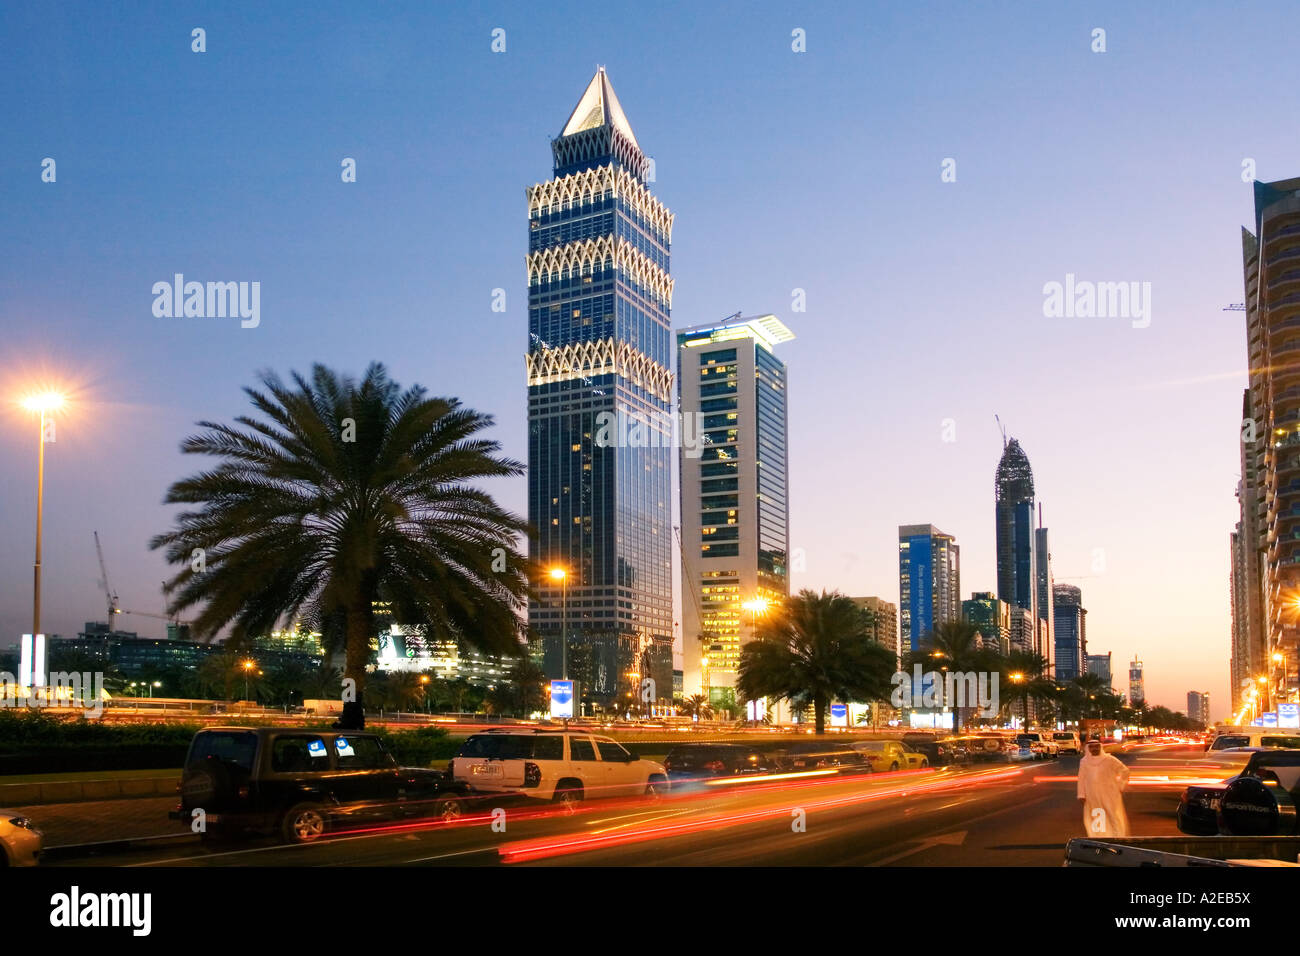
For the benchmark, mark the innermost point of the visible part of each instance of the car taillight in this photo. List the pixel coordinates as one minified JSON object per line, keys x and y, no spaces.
{"x":243,"y":793}
{"x":532,"y":775}
{"x":717,"y":766}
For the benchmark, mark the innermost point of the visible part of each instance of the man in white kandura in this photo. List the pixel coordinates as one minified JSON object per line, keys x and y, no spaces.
{"x":1102,"y":779}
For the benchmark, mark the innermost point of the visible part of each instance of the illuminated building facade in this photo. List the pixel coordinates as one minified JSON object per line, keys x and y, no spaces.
{"x":735,"y":517}
{"x":599,"y":350}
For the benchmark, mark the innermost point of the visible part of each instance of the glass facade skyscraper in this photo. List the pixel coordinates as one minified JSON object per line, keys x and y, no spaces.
{"x":599,"y":407}
{"x":1071,"y":632}
{"x":735,"y":517}
{"x":1024,"y":574}
{"x":929,"y":582}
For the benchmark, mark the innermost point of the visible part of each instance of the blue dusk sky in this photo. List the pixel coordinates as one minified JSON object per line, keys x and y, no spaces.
{"x":817,"y":171}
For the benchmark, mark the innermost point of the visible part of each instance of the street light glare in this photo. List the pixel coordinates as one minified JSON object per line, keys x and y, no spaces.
{"x":558,"y":574}
{"x":43,"y":402}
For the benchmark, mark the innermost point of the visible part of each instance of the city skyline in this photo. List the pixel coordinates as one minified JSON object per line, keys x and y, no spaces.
{"x":1042,"y":193}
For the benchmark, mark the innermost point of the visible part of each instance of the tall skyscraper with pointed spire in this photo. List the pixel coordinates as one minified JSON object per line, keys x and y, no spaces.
{"x":1014,"y":497}
{"x":600,"y":386}
{"x":1024,"y":569}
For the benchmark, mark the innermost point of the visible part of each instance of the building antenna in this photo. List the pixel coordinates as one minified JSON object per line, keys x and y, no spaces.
{"x":1002,"y":428}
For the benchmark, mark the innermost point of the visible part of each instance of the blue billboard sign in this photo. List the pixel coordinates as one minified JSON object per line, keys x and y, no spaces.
{"x":561,"y":698}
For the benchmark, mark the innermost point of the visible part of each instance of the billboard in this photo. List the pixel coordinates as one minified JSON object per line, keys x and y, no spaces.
{"x":839,"y":715}
{"x":1288,"y":715}
{"x":562,"y":698}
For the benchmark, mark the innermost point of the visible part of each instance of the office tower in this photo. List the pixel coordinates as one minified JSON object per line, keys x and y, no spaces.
{"x":1270,"y":489}
{"x":1099,"y":664}
{"x":1137,"y":695}
{"x":1198,"y":707}
{"x":929,"y":582}
{"x":883,"y":620}
{"x":991,"y":617}
{"x":599,"y":407}
{"x":1025,"y":629}
{"x":1016,"y":542}
{"x":1071,"y":631}
{"x":1044,"y":595}
{"x":735,"y":520}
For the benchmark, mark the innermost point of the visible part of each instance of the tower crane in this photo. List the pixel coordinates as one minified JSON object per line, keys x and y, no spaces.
{"x":108,"y":591}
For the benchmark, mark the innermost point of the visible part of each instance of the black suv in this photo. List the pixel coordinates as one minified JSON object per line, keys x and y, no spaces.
{"x":299,"y":783}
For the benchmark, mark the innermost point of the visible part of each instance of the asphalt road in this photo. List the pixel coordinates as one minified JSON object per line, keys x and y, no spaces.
{"x":994,"y":815}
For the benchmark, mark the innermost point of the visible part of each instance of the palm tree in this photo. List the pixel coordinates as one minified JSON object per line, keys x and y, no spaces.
{"x":815,"y":648}
{"x":952,"y":646}
{"x":1022,"y":679}
{"x":341,"y":495}
{"x":697,"y":706}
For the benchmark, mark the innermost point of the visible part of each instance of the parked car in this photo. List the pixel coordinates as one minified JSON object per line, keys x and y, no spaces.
{"x":1067,"y":741}
{"x":888,"y":755}
{"x":824,"y":755}
{"x":1252,"y":737}
{"x":563,"y":766}
{"x":1040,"y":743}
{"x":1260,"y":800}
{"x":20,"y":842}
{"x":986,"y":747}
{"x":939,"y":751}
{"x":688,"y":762}
{"x":302,"y":783}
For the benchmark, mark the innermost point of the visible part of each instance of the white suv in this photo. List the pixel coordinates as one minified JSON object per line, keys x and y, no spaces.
{"x":1041,"y":743}
{"x":565,"y":766}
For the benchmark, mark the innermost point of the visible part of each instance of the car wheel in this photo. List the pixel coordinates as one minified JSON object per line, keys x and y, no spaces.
{"x":894,"y":765}
{"x":924,"y":762}
{"x":450,"y":809}
{"x":568,"y":797}
{"x":655,"y":788}
{"x":303,"y":823}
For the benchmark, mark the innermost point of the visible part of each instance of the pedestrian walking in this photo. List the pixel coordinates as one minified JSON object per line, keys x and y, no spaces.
{"x":1102,"y":779}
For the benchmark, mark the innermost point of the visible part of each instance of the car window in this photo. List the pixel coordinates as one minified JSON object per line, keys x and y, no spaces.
{"x":298,"y":754}
{"x":362,"y":753}
{"x":514,"y":747}
{"x":1279,"y":741}
{"x":548,"y":748}
{"x":237,"y":748}
{"x":580,"y":748}
{"x":612,"y":752}
{"x":1225,"y":741}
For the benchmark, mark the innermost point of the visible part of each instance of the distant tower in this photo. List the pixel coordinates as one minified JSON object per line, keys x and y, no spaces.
{"x":1016,"y":544}
{"x":1137,"y":694}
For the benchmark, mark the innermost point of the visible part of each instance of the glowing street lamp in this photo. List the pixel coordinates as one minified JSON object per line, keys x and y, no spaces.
{"x":43,"y":404}
{"x":559,"y":574}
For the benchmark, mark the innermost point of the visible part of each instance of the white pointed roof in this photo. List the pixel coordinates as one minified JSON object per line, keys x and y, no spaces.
{"x":599,"y":107}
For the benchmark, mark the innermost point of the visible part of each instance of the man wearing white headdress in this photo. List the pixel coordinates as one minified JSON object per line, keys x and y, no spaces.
{"x":1102,"y":779}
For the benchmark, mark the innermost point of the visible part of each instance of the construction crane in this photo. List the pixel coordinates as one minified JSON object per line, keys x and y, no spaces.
{"x":1235,"y":307}
{"x":108,"y":591}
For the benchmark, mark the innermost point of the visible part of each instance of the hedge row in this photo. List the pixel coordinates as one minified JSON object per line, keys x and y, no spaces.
{"x":36,"y":742}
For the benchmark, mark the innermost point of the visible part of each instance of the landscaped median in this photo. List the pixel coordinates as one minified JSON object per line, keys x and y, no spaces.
{"x":46,"y":758}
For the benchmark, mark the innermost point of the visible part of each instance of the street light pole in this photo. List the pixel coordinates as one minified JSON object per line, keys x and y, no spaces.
{"x":40,"y":502}
{"x":43,"y":405}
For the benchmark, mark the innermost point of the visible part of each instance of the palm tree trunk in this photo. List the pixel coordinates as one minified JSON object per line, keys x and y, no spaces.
{"x":360,"y":622}
{"x":819,"y":715}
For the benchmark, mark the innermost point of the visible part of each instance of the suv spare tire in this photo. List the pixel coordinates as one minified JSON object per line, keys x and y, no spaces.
{"x":206,"y":785}
{"x":1252,"y":807}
